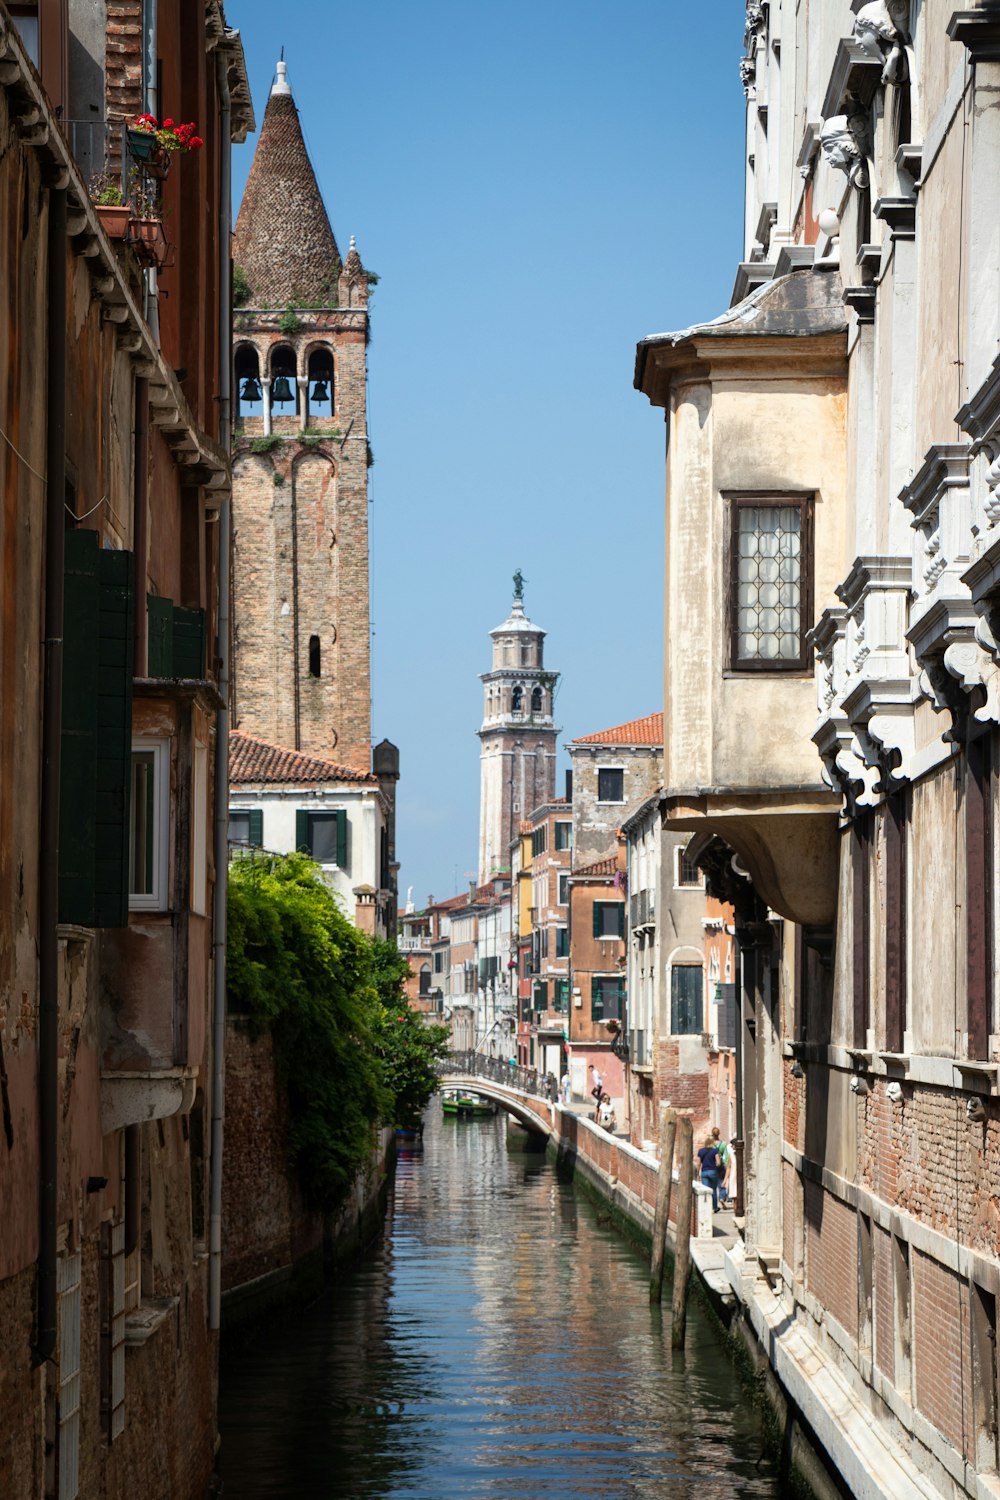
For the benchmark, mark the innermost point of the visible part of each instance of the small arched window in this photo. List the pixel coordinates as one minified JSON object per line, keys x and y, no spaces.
{"x":536,"y":700}
{"x":314,"y":656}
{"x":320,"y":386}
{"x":425,"y":979}
{"x":246,"y":369}
{"x":517,"y":699}
{"x":284,"y":386}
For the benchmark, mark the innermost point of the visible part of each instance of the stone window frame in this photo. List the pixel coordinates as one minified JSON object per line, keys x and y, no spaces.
{"x":611,"y":801}
{"x":157,"y":898}
{"x":737,"y":500}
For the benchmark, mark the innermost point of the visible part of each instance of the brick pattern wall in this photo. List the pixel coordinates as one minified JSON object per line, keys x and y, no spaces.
{"x":123,"y":69}
{"x":795,"y":1107}
{"x":265,"y":1223}
{"x":301,"y":567}
{"x":832,"y":1255}
{"x":788,"y":1185}
{"x":21,"y":1477}
{"x":676,"y":1086}
{"x":942,"y":1348}
{"x":885,"y":1354}
{"x":923,"y":1155}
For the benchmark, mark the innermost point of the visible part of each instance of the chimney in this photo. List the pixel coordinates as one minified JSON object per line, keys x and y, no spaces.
{"x":569,"y":786}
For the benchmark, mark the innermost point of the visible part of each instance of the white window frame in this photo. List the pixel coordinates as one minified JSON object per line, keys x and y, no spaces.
{"x":614,"y":801}
{"x":156,"y":899}
{"x":562,"y":888}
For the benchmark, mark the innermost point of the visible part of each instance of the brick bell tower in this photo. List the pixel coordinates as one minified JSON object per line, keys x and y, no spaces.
{"x":517,"y":757}
{"x":300,"y":470}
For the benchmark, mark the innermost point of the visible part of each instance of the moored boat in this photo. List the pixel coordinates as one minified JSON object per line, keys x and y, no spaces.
{"x":461,"y":1103}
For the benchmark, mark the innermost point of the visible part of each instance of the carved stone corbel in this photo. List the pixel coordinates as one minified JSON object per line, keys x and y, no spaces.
{"x":845,"y":143}
{"x":854,"y":768}
{"x":894,"y":736}
{"x":976,"y":671}
{"x":882,"y":29}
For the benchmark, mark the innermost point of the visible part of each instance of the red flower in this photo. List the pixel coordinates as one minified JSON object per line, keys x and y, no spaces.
{"x":196,"y":143}
{"x":168,"y":124}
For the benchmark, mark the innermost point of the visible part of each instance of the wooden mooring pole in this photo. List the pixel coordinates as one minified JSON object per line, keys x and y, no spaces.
{"x":682,"y":1250}
{"x":668,"y":1129}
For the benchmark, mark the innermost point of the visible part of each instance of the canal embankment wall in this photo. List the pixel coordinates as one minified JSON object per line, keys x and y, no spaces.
{"x":275,"y":1247}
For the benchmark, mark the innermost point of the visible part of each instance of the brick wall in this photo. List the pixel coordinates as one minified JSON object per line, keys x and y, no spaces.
{"x":885,"y":1356}
{"x":21,"y":1476}
{"x":832,"y":1255}
{"x":942,"y":1348}
{"x":677,"y":1086}
{"x":265,"y":1223}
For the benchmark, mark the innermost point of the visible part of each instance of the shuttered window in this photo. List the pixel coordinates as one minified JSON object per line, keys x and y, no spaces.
{"x":246,"y":826}
{"x":726,"y":1015}
{"x":323,"y":836}
{"x":113,"y":1329}
{"x":96,"y":734}
{"x":607,"y":997}
{"x":609,"y":919}
{"x":175,"y":639}
{"x":686,"y":1000}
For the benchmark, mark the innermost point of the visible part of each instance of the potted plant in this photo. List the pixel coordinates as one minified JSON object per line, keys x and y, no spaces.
{"x":154,"y":143}
{"x":109,"y":202}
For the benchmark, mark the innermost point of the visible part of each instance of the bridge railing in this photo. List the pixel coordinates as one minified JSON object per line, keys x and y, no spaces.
{"x":529,"y":1080}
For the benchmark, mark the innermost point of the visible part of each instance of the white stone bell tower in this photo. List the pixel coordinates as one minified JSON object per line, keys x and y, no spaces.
{"x":517,"y":735}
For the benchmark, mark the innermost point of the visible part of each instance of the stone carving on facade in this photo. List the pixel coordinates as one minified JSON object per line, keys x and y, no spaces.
{"x":754,"y":23}
{"x":844,"y":141}
{"x":748,"y":73}
{"x":882,"y":29}
{"x":854,"y":770}
{"x":935,"y":561}
{"x":974,"y":668}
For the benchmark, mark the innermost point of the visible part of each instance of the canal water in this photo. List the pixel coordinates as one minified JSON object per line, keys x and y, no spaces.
{"x":498,"y":1342}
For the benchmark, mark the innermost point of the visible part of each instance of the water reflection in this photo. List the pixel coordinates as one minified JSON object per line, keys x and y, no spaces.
{"x":498,"y":1343}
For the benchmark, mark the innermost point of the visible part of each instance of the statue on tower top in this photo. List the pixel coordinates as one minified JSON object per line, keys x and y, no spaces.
{"x":519,"y":582}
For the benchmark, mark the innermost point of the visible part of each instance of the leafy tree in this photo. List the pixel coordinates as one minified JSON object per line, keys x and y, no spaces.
{"x":407,"y":1044}
{"x":300,"y":970}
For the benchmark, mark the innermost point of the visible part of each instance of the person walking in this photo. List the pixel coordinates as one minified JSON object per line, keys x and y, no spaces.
{"x":596,"y":1084}
{"x":726,"y":1163}
{"x":564,"y":1086}
{"x":710,"y":1165}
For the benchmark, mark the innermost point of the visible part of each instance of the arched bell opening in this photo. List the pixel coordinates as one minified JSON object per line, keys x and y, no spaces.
{"x":284,"y":386}
{"x":246,"y":372}
{"x":320,"y":385}
{"x":536,"y":700}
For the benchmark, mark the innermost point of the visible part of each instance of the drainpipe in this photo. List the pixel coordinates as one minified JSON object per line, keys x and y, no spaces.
{"x":150,"y":104}
{"x":222,"y":720}
{"x":48,"y":876}
{"x":140,"y":511}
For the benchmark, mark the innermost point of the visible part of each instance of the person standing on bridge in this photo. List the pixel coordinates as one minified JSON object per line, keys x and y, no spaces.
{"x":596,"y":1084}
{"x":564,"y":1087}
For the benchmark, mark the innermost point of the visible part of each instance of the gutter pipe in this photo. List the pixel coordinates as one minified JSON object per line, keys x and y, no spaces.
{"x":222,"y":719}
{"x":48,"y":871}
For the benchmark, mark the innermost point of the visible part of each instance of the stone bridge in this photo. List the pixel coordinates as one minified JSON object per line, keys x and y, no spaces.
{"x":527,"y":1108}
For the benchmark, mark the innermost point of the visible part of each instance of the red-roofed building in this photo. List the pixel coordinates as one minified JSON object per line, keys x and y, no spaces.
{"x":614,"y":771}
{"x":283,"y":799}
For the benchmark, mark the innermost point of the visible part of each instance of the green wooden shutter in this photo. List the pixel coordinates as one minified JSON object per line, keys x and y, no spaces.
{"x":621,"y":919}
{"x":78,"y":770}
{"x":189,"y":643}
{"x":596,"y":998}
{"x":256,"y":835}
{"x":342,"y":839}
{"x":159,"y":636}
{"x":114,"y":738}
{"x":597,"y":917}
{"x":302,"y":831}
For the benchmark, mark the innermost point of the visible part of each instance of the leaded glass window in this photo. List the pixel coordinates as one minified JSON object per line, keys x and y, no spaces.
{"x":770,"y":585}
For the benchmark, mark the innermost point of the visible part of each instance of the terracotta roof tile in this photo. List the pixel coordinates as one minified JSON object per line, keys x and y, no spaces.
{"x":647,"y":731}
{"x":607,"y":866}
{"x":258,"y":763}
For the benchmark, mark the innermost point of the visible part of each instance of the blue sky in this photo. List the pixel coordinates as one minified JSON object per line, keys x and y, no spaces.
{"x":538,"y":186}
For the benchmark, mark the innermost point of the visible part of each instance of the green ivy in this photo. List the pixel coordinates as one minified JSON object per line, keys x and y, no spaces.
{"x":289,"y":322}
{"x":264,"y":444}
{"x":241,"y":287}
{"x":350,"y":1053}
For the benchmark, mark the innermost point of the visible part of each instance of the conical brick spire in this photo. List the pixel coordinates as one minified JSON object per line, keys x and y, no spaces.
{"x":284,"y":244}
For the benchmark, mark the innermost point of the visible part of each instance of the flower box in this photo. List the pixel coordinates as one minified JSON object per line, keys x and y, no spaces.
{"x":149,"y":241}
{"x":114,"y":219}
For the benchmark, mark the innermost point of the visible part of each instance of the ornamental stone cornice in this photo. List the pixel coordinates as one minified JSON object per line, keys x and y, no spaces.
{"x":876,"y":571}
{"x":978,"y":30}
{"x":855,"y":75}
